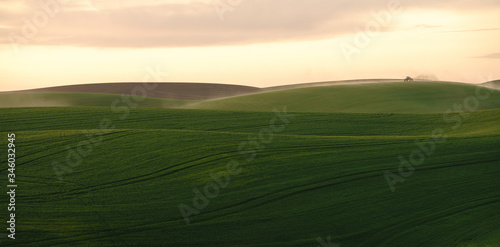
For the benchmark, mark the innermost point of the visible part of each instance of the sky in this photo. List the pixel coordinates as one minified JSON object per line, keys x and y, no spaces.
{"x":246,"y":42}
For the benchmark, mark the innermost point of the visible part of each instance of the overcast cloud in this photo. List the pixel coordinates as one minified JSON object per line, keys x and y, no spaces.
{"x":156,"y":23}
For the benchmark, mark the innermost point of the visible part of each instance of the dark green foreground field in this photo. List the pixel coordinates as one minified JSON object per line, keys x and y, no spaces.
{"x":322,"y":175}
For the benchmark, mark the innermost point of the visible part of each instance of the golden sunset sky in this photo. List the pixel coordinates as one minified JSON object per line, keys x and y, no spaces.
{"x":247,"y":42}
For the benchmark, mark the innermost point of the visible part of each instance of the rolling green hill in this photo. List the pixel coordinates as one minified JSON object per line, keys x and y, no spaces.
{"x":83,"y":99}
{"x":321,"y":175}
{"x":391,"y":97}
{"x":369,"y":97}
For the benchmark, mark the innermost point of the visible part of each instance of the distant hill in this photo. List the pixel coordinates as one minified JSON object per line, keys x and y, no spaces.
{"x":492,"y":84}
{"x":187,"y":90}
{"x":328,"y":83}
{"x":390,"y":97}
{"x":175,"y":91}
{"x":357,"y":96}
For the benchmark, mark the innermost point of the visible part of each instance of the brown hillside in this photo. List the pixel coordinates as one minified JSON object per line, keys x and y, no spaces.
{"x":179,"y":91}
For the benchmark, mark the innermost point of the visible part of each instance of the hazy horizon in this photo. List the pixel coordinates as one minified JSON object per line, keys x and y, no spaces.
{"x":246,"y":42}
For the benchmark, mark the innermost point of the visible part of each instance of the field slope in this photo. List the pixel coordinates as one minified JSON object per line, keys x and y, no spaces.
{"x":321,"y":176}
{"x":390,"y":97}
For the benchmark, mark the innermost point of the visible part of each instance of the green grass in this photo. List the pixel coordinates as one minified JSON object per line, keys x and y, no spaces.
{"x":82,"y":99}
{"x":322,"y":175}
{"x":393,"y":97}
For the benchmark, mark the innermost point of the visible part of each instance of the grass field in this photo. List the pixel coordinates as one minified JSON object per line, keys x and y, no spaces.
{"x":322,"y":175}
{"x":391,"y":97}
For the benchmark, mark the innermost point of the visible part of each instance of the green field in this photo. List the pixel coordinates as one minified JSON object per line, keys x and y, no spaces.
{"x":391,"y":97}
{"x":322,"y":175}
